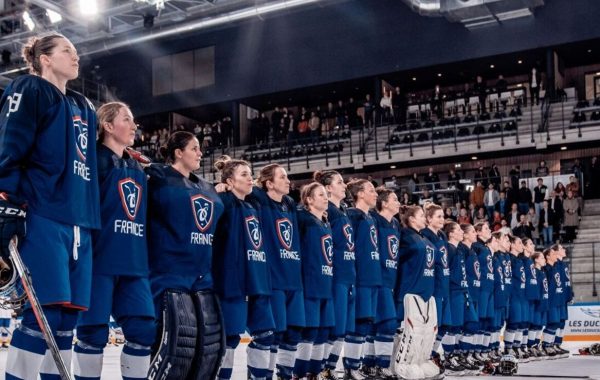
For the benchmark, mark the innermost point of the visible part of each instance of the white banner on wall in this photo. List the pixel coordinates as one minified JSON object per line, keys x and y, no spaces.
{"x":583,"y":323}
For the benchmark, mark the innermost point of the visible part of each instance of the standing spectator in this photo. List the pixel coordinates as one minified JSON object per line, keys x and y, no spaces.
{"x":276,"y":117}
{"x":386,"y":106}
{"x":534,"y":220}
{"x":546,"y":223}
{"x":502,"y":206}
{"x":515,"y":175}
{"x":501,"y":86}
{"x":454,"y":180}
{"x":525,"y":198}
{"x":577,"y":170}
{"x":535,"y":82}
{"x":480,"y":90}
{"x":412,"y":184}
{"x":560,"y":190}
{"x":512,"y":193}
{"x":313,"y":125}
{"x":405,"y":200}
{"x":556,"y":203}
{"x":368,"y":111}
{"x":303,"y":129}
{"x":477,"y":195}
{"x":291,"y":128}
{"x":432,"y":180}
{"x":490,"y":199}
{"x":330,"y":118}
{"x":593,"y":176}
{"x":373,"y":182}
{"x":542,"y":169}
{"x":512,"y":218}
{"x":265,"y":129}
{"x":481,"y":176}
{"x":495,"y":177}
{"x":437,"y":103}
{"x":573,"y":186}
{"x":472,"y":211}
{"x":426,"y":197}
{"x":227,"y":130}
{"x":340,"y":115}
{"x":539,"y":194}
{"x":399,"y":107}
{"x":571,"y":207}
{"x":524,"y":228}
{"x":351,"y":108}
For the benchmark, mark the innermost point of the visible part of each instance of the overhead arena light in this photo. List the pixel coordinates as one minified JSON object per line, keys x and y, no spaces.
{"x":88,"y":7}
{"x":54,"y":17}
{"x":28,"y":20}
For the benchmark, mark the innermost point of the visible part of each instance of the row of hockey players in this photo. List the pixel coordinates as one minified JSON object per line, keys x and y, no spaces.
{"x":185,"y":268}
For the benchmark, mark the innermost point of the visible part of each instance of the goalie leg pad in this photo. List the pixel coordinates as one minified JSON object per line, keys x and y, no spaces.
{"x":210,"y":343}
{"x":172,"y":358}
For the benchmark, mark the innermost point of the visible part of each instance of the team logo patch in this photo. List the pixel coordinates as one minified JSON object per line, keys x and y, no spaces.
{"x":533,"y":273}
{"x":430,"y":256}
{"x":545,"y":283}
{"x":327,"y":249}
{"x":567,"y":273}
{"x":490,"y":265}
{"x":393,"y":246}
{"x":253,"y":229}
{"x":284,"y":232}
{"x":523,"y":280}
{"x":131,"y":196}
{"x":444,"y":257}
{"x":477,"y":269}
{"x":373,"y":233}
{"x":81,"y":137}
{"x":203,"y":212}
{"x":500,"y":272}
{"x":507,"y":268}
{"x":347,"y":229}
{"x":557,"y":280}
{"x":464,"y":272}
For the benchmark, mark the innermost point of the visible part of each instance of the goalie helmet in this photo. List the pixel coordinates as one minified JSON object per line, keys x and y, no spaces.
{"x":508,"y":366}
{"x":595,"y":349}
{"x":12,"y":293}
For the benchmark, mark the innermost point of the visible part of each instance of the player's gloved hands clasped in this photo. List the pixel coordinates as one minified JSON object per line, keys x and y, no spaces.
{"x":12,"y":222}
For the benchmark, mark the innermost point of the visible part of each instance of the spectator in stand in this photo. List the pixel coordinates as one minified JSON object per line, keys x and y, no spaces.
{"x":577,"y":171}
{"x":313,"y":125}
{"x":542,"y":169}
{"x":481,"y":176}
{"x":556,"y":204}
{"x":198,"y":132}
{"x":340,"y":115}
{"x":534,"y":220}
{"x":472,"y":211}
{"x":515,"y":175}
{"x":227,"y":130}
{"x":463,"y":217}
{"x":593,"y":183}
{"x":208,"y":141}
{"x":546,"y":224}
{"x":432,"y":180}
{"x":448,"y":214}
{"x":351,"y":109}
{"x":399,"y":107}
{"x":368,"y":111}
{"x":386,"y":106}
{"x":480,"y":216}
{"x":496,"y":221}
{"x":454,"y":180}
{"x":405,"y":200}
{"x":501,"y":86}
{"x":426,"y":197}
{"x":524,"y":228}
{"x":525,"y":198}
{"x":573,"y":186}
{"x":373,"y":182}
{"x":490,"y":199}
{"x":571,"y":207}
{"x":303,"y":129}
{"x":495,"y":177}
{"x":265,"y":129}
{"x":413,"y":182}
{"x":330,"y":120}
{"x":535,"y":82}
{"x":512,"y":218}
{"x":456,"y":209}
{"x":512,"y":194}
{"x":560,"y":190}
{"x":477,"y":195}
{"x":480,"y":90}
{"x":437,"y":102}
{"x":539,"y":194}
{"x":503,"y":205}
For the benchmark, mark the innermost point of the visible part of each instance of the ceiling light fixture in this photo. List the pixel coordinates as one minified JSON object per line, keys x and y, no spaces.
{"x":28,"y":20}
{"x":54,"y":17}
{"x":88,"y":7}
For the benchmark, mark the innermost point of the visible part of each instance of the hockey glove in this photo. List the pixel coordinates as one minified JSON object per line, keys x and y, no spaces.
{"x":12,"y":222}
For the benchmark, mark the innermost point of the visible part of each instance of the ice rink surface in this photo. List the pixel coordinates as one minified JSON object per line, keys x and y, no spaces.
{"x":558,"y":369}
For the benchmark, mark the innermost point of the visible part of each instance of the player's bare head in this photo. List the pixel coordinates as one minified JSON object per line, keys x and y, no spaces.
{"x":107,"y":114}
{"x":451,"y":227}
{"x":267,"y":173}
{"x":356,"y":186}
{"x":325,"y":177}
{"x":38,"y":46}
{"x":431,"y":209}
{"x":177,"y":140}
{"x":227,"y":165}
{"x":466,"y":227}
{"x":383,"y":195}
{"x":413,"y":217}
{"x":308,"y":192}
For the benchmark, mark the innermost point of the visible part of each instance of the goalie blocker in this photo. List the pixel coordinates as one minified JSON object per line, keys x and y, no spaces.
{"x":412,"y":348}
{"x":192,"y":339}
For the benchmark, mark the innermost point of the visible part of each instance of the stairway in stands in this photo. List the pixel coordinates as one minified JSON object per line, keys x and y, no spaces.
{"x":585,"y":254}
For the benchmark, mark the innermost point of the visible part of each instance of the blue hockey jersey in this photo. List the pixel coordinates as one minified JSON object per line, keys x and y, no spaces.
{"x":120,"y":248}
{"x":47,"y":151}
{"x":282,"y":242}
{"x":344,"y":259}
{"x":317,"y":255}
{"x":485,"y":264}
{"x":388,"y":237}
{"x":519,"y":277}
{"x":458,"y":269}
{"x":442,"y":270}
{"x":240,"y":261}
{"x":182,"y":218}
{"x":368,"y":268}
{"x":473,"y":270}
{"x":532,"y":291}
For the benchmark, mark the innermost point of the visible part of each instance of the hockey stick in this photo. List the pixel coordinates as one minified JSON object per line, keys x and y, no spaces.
{"x":37,"y":309}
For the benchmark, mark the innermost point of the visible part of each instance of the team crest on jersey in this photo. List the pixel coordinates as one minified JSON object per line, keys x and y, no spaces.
{"x":81,"y":137}
{"x":477,"y":269}
{"x":545,"y":284}
{"x":131,"y":196}
{"x":373,"y":233}
{"x":253,"y":229}
{"x":490,"y":265}
{"x":557,"y":280}
{"x":500,"y":272}
{"x":567,"y":273}
{"x":430,"y":256}
{"x":533,"y":273}
{"x":284,"y":232}
{"x":327,"y":249}
{"x":393,"y":246}
{"x":203,"y":211}
{"x":444,"y":257}
{"x":507,"y":268}
{"x":523,"y":280}
{"x":347,"y":229}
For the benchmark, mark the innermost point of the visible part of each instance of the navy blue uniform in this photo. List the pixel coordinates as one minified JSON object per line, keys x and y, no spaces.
{"x":568,"y":291}
{"x":473,"y":272}
{"x":532,"y":292}
{"x":416,"y":268}
{"x":462,"y":305}
{"x":519,"y":306}
{"x":368,"y":267}
{"x":182,"y":219}
{"x":499,"y":263}
{"x":388,"y":237}
{"x":441,"y":290}
{"x":556,"y":294}
{"x":317,"y":269}
{"x":541,"y":305}
{"x":486,"y":294}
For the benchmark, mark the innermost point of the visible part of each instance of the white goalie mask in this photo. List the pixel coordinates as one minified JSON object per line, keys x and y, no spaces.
{"x":12,"y":293}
